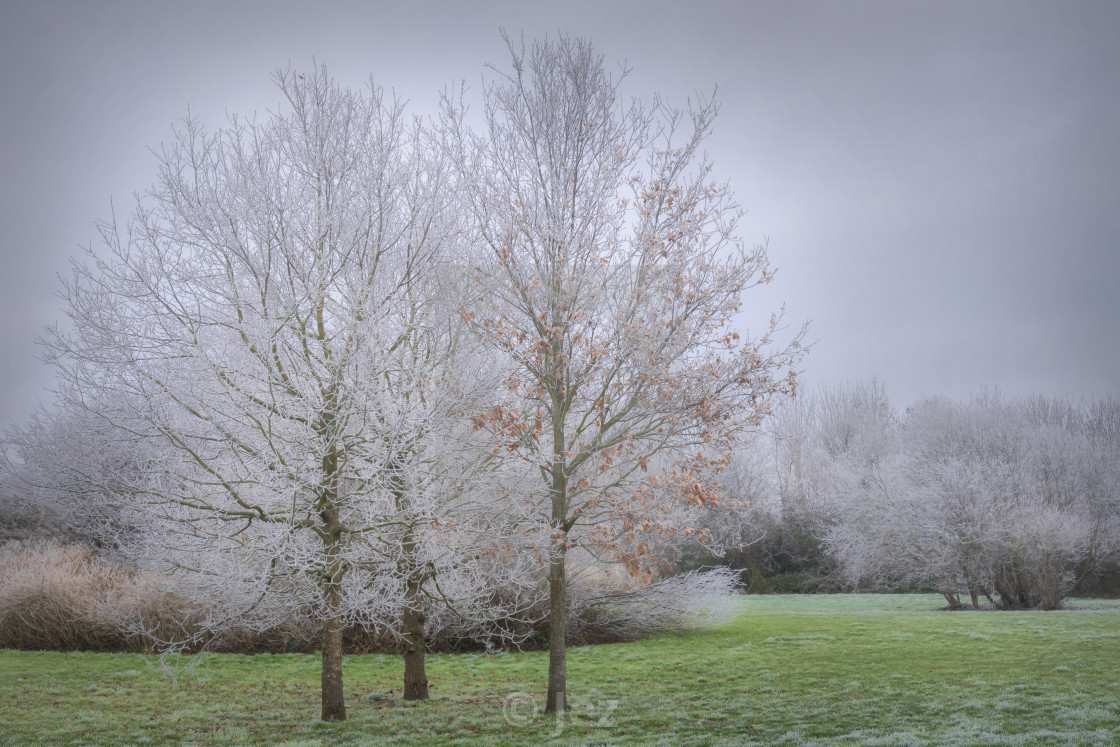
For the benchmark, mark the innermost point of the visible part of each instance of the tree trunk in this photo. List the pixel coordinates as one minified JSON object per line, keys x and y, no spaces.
{"x":557,"y":700}
{"x":950,"y":595}
{"x":412,"y":625}
{"x":334,"y":704}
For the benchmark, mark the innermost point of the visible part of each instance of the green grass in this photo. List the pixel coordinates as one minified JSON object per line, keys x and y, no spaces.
{"x":852,"y":669}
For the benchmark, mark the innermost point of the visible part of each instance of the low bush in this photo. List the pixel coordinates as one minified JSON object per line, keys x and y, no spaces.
{"x":68,"y":597}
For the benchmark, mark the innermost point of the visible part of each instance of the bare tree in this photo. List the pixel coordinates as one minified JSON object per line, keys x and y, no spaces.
{"x":275,"y":313}
{"x":611,"y":274}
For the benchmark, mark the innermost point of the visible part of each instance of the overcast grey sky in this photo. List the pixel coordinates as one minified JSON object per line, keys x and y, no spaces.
{"x":939,"y":181}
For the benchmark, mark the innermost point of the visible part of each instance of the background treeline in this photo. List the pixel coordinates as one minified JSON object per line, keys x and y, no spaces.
{"x":989,"y":502}
{"x":992,"y":501}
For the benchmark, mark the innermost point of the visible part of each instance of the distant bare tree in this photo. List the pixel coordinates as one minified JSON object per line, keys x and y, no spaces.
{"x":60,"y":469}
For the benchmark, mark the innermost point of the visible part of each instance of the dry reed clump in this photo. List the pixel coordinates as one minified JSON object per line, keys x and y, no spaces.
{"x":67,"y":597}
{"x":64,"y":597}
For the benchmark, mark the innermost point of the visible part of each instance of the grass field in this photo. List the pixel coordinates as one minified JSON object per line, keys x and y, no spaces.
{"x":853,"y":669}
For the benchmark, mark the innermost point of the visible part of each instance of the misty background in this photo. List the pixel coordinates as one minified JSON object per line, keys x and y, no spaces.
{"x":939,"y":183}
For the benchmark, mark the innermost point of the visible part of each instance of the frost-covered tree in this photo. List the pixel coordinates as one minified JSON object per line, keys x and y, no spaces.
{"x":278,"y":314}
{"x":831,"y":446}
{"x":59,"y":469}
{"x":610,"y":275}
{"x":1013,"y":501}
